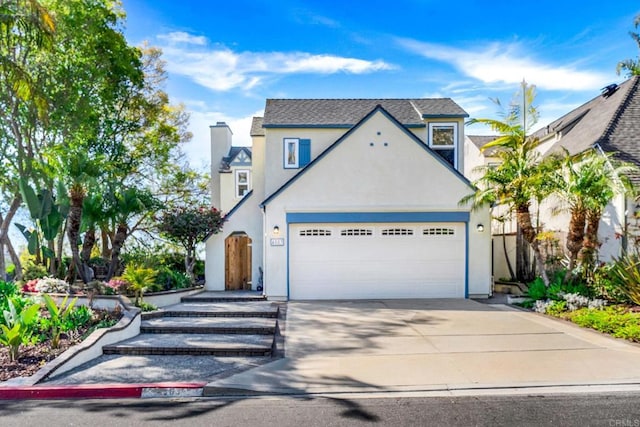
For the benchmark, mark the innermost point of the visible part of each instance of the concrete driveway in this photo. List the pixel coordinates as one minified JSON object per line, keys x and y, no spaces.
{"x":434,"y":346}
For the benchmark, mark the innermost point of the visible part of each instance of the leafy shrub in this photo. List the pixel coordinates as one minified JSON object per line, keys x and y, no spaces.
{"x":557,"y":288}
{"x":612,"y":320}
{"x":168,"y":279}
{"x":52,"y":285}
{"x":607,"y":287}
{"x":11,"y":271}
{"x":7,"y":290}
{"x":537,"y":290}
{"x":140,"y":279}
{"x":624,"y":277}
{"x":18,"y":326}
{"x":58,"y":314}
{"x":31,"y":271}
{"x":145,"y":306}
{"x":77,"y":318}
{"x":556,"y":308}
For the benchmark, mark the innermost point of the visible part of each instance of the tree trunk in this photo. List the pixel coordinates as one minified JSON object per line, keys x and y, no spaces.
{"x":3,"y":265}
{"x":88,"y":244}
{"x":53,"y":265}
{"x":105,"y":238}
{"x":523,"y":264}
{"x":15,"y":258}
{"x":575,"y":238}
{"x":523,"y":217}
{"x":118,"y":242}
{"x":59,"y":261}
{"x":189,"y":263}
{"x":588,"y":254}
{"x":4,"y":236}
{"x":506,"y":254}
{"x":73,"y":233}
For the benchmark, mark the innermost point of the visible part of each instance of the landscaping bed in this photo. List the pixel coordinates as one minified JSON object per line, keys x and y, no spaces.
{"x":36,"y":329}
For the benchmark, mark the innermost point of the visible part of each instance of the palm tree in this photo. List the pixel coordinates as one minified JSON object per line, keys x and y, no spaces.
{"x":608,"y":179}
{"x":632,"y":66}
{"x":521,"y":175}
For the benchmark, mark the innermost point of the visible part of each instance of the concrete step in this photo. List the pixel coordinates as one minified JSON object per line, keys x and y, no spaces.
{"x":223,"y":345}
{"x":209,"y":325}
{"x":220,"y":309}
{"x":226,"y":296}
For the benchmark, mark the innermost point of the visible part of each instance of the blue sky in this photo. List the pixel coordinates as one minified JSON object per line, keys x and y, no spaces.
{"x":225,"y":58}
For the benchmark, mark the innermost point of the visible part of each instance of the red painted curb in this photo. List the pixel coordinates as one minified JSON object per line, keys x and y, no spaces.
{"x":93,"y":391}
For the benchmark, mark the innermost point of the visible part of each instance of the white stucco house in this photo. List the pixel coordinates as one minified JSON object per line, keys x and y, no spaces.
{"x":350,"y":199}
{"x":608,"y":123}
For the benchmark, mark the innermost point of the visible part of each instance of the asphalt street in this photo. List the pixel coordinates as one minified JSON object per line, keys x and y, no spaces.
{"x":612,"y":410}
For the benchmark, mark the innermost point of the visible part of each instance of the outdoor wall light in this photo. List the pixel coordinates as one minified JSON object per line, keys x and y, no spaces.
{"x":276,"y":230}
{"x":480,"y":228}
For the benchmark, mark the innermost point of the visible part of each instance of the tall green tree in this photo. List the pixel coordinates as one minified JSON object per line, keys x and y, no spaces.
{"x":520,"y":177}
{"x":26,"y":28}
{"x":632,"y":66}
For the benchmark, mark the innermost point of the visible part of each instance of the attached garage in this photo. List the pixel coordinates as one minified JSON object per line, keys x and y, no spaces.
{"x":377,"y":260}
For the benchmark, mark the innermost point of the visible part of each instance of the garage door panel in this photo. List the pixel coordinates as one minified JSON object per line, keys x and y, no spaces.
{"x":354,"y":261}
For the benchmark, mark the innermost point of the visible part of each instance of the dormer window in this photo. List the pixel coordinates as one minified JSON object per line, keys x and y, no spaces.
{"x":443,"y":139}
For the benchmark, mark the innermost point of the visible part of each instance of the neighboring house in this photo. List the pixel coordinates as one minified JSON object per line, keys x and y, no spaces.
{"x":610,"y":123}
{"x":353,"y":199}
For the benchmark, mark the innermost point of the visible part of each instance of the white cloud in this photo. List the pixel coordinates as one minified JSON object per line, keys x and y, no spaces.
{"x":222,"y":69}
{"x":508,"y":63}
{"x":178,"y":37}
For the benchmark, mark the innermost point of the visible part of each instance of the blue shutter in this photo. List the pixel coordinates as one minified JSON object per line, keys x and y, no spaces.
{"x":304,"y":150}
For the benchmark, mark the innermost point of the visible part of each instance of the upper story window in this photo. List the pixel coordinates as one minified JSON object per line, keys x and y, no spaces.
{"x":243,"y":182}
{"x":296,"y":153}
{"x":443,"y":139}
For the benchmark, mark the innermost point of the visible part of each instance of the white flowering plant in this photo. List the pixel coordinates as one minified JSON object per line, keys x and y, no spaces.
{"x":51,"y":285}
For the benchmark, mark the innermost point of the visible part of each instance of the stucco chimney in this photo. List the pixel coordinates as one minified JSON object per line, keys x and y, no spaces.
{"x":221,"y":137}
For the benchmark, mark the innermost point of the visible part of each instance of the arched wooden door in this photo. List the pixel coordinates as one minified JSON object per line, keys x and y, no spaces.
{"x":237,"y":260}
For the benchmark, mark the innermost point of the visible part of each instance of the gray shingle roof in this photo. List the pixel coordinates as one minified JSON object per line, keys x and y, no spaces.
{"x":233,"y":152}
{"x":613,"y":122}
{"x":481,"y":140}
{"x":592,"y":122}
{"x":348,"y":112}
{"x":256,"y":127}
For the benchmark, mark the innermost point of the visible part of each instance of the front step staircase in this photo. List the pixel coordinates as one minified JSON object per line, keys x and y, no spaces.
{"x":207,"y":324}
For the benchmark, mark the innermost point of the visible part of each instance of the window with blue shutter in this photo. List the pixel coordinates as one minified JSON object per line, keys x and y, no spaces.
{"x":304,"y":149}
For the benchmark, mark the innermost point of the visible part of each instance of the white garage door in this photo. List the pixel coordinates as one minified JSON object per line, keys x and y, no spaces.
{"x":365,"y":261}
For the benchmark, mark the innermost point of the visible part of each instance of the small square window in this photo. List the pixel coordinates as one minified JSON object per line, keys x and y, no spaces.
{"x":243,"y":178}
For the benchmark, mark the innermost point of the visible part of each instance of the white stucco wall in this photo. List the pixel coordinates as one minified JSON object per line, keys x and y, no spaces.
{"x":356,"y":176}
{"x":248,"y":218}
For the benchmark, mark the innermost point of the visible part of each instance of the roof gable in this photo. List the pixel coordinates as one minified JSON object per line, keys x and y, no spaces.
{"x":333,"y":146}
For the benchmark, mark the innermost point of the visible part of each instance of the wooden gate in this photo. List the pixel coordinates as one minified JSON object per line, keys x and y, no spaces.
{"x":237,"y":262}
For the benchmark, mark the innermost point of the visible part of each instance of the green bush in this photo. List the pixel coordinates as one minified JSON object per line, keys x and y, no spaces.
{"x":557,"y":308}
{"x":537,"y":290}
{"x":145,"y":306}
{"x":18,"y":326}
{"x":58,"y":314}
{"x":77,"y":318}
{"x":622,"y":280}
{"x":557,"y":287}
{"x":32,"y":271}
{"x":11,"y":271}
{"x":169,"y":279}
{"x":611,"y":320}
